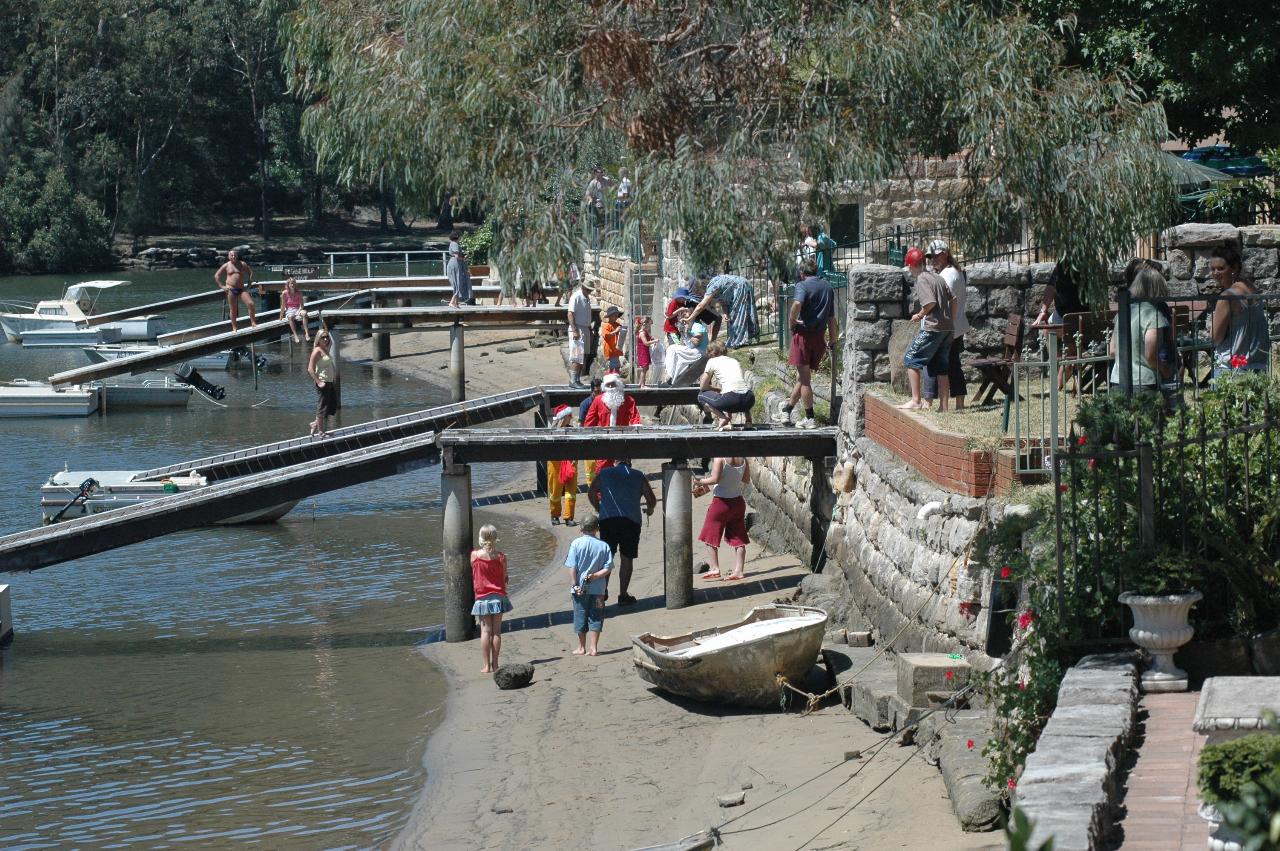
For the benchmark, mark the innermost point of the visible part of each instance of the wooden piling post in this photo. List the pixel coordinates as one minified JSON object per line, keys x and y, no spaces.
{"x":6,"y":616}
{"x":381,"y":340}
{"x":677,"y":534}
{"x":459,"y":593}
{"x":540,"y":420}
{"x":364,"y":304}
{"x":458,"y":362}
{"x":405,"y":302}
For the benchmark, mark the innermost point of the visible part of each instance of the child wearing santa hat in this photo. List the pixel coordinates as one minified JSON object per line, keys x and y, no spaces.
{"x":562,"y":476}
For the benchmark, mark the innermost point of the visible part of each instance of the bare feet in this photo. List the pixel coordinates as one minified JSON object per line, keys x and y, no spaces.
{"x":295,"y":338}
{"x":486,"y":670}
{"x":911,"y":406}
{"x":592,"y":653}
{"x":579,"y":652}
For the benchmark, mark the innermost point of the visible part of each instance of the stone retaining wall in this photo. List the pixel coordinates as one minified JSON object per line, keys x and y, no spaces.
{"x":1071,"y":782}
{"x":609,"y":274}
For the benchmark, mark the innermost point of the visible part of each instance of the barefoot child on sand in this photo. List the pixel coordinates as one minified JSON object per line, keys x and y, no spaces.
{"x":589,"y":562}
{"x":489,"y":576}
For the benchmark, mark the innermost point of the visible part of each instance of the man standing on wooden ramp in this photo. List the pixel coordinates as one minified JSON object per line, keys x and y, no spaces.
{"x":235,"y":276}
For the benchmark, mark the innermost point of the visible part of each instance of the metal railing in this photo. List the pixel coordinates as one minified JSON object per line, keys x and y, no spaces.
{"x":387,"y":263}
{"x":1190,"y":495}
{"x":1079,"y":357}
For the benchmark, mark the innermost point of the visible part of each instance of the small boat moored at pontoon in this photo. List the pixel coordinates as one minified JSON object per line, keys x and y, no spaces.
{"x":237,"y":357}
{"x":72,"y":312}
{"x":70,"y":338}
{"x":736,"y":664}
{"x":82,"y":492}
{"x":22,"y":398}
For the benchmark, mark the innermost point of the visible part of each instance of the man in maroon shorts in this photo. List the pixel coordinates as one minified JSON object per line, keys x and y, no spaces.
{"x":813,"y":324}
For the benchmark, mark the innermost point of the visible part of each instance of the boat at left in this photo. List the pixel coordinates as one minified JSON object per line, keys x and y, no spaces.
{"x":71,"y":313}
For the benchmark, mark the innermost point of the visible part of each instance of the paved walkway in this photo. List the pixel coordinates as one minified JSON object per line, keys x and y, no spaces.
{"x":1161,"y":799}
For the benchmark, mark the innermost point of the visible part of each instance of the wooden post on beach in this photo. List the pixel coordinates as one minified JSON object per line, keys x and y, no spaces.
{"x":381,"y":339}
{"x":458,"y":362}
{"x":540,"y":420}
{"x":364,"y":304}
{"x":405,"y":302}
{"x":677,"y":534}
{"x":459,"y":593}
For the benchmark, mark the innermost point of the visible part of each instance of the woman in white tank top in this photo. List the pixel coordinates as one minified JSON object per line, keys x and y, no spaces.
{"x":726,"y":516}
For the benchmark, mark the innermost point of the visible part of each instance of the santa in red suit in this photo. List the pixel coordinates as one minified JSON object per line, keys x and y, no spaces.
{"x":614,"y":406}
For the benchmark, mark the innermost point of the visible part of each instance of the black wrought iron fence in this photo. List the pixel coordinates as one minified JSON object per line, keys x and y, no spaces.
{"x":1188,"y":499}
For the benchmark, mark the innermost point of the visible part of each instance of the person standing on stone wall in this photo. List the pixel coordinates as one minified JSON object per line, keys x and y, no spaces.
{"x":931,"y":348}
{"x":813,"y":314}
{"x":579,"y":332}
{"x":939,"y":255}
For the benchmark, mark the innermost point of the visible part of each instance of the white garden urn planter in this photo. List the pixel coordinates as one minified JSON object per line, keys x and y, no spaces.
{"x":1160,"y":627}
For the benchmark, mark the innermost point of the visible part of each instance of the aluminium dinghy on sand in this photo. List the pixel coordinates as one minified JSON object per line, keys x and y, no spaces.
{"x":737,"y":664}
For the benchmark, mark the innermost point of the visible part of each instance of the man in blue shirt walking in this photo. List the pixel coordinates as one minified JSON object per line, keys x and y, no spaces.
{"x":589,"y":563}
{"x":615,"y":493}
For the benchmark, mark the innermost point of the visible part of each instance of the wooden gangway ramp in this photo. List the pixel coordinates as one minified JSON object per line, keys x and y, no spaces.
{"x":261,"y":477}
{"x":389,"y":318}
{"x":157,"y":307}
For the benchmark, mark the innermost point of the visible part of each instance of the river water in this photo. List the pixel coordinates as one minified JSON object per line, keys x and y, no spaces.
{"x":232,"y":685}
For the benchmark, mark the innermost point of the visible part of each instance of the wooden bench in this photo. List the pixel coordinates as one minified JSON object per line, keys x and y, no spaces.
{"x":997,"y":372}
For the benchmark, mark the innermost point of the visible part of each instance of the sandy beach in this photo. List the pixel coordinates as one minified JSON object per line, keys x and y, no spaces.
{"x":591,"y":756}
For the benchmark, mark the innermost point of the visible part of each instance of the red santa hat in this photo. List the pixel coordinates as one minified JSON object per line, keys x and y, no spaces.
{"x":561,"y":413}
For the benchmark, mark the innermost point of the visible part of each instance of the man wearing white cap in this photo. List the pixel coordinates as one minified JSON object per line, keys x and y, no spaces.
{"x":939,"y":256}
{"x":579,"y":331}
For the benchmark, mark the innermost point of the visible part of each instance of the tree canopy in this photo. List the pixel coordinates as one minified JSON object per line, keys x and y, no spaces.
{"x":733,"y":116}
{"x":1215,"y":66}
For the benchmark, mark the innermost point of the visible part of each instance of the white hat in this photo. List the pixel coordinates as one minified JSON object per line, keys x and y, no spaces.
{"x":612,"y":379}
{"x":938,"y":246}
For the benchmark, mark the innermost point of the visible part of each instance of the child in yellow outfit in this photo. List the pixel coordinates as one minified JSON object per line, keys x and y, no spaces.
{"x":562,"y":476}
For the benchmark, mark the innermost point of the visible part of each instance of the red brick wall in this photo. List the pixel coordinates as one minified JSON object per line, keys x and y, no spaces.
{"x":939,"y":456}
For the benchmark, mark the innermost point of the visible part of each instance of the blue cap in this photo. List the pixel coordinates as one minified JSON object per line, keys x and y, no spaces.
{"x":682,"y":293}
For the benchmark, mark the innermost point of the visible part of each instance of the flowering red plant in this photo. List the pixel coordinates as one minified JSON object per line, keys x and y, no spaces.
{"x":1026,"y":618}
{"x":1006,"y":572}
{"x":1239,"y":361}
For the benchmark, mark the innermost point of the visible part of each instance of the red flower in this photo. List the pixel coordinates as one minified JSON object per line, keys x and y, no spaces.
{"x":1022,"y":685}
{"x":1093,"y":463}
{"x":1012,"y":785}
{"x":1006,"y":572}
{"x":950,"y":676}
{"x":1238,"y":361}
{"x":1081,"y":440}
{"x":1062,"y":488}
{"x":970,"y":744}
{"x":1025,"y":619}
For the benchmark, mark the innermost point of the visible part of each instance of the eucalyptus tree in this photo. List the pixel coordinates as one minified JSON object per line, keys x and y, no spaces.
{"x":725,"y":112}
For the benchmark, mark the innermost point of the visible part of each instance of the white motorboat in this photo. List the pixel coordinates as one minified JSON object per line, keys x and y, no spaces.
{"x":217,"y":360}
{"x":65,"y":338}
{"x":22,"y":398}
{"x":73,"y":310}
{"x":82,"y":492}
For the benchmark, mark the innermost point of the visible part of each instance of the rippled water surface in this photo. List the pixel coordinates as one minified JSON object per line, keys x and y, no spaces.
{"x":231,"y":685}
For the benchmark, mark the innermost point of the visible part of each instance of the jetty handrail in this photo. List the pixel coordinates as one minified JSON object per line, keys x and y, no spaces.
{"x":157,"y":306}
{"x":368,"y":262}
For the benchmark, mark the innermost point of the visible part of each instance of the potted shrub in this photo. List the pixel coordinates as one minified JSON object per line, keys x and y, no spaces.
{"x":1161,"y":598}
{"x":1239,"y":782}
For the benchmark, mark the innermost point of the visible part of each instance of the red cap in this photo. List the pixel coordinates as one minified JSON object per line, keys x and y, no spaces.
{"x":915,"y":257}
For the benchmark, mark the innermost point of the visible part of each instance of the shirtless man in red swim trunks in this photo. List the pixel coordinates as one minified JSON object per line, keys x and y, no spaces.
{"x":238,"y":278}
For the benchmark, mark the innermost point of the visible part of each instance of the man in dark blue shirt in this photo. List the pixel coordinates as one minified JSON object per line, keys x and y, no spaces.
{"x":813,"y":325}
{"x":616,"y":494}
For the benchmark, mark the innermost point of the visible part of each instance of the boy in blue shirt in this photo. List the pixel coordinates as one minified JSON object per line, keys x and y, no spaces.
{"x":589,"y":562}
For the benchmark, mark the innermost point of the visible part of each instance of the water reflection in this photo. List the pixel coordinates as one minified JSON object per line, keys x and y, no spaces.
{"x":228,"y":685}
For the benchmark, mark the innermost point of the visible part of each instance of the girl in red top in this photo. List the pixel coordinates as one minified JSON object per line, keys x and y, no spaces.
{"x":489,"y":577}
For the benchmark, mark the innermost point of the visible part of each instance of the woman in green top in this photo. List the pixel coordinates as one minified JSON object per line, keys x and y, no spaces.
{"x":1147,"y":326}
{"x":323,"y":372}
{"x":1241,"y":339}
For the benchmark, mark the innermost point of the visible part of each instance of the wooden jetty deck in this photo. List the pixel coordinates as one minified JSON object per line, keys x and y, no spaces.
{"x":462,"y":448}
